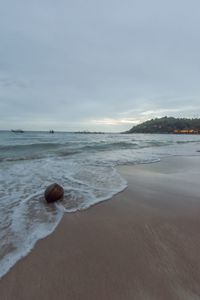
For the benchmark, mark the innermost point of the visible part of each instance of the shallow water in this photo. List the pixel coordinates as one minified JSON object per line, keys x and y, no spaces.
{"x":84,"y":164}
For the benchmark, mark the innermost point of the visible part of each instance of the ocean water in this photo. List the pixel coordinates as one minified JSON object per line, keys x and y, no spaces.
{"x":84,"y":164}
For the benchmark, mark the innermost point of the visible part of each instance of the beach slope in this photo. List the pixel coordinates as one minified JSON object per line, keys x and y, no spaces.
{"x":144,"y":243}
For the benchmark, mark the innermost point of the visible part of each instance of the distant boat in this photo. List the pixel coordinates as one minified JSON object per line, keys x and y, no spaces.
{"x":51,"y":131}
{"x":17,"y":130}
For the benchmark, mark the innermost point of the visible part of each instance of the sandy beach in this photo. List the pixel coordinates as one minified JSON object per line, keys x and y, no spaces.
{"x":142,"y":244}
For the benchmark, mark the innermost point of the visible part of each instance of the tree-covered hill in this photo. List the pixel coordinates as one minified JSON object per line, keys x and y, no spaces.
{"x":166,"y":125}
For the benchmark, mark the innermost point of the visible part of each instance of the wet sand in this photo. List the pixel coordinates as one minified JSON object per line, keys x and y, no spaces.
{"x":144,"y":243}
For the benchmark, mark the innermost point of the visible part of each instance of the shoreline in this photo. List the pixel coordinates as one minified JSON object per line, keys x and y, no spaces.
{"x":141,"y":244}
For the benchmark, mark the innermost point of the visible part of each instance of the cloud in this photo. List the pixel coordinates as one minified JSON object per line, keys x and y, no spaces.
{"x":12,"y":83}
{"x":104,"y":64}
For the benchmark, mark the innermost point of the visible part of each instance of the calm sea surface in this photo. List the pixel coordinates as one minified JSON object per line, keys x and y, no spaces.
{"x":84,"y":164}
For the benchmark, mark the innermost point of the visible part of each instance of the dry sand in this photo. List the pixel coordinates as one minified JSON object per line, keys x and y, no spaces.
{"x":142,"y":244}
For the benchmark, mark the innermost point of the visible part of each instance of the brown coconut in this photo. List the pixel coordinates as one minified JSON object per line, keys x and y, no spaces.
{"x":54,"y":192}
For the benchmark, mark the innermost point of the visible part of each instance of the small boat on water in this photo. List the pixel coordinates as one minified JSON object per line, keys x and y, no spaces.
{"x":17,"y":130}
{"x":51,"y":131}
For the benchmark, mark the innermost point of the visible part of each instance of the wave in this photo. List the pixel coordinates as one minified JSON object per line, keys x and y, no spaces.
{"x":158,"y":143}
{"x":41,"y":150}
{"x":37,"y":156}
{"x":110,"y":146}
{"x":30,"y":146}
{"x":187,"y":142}
{"x":27,"y":216}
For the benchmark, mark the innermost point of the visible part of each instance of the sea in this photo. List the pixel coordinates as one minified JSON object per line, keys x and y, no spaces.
{"x":84,"y":164}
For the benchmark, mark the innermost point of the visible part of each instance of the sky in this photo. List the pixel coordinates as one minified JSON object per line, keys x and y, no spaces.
{"x":97,"y":65}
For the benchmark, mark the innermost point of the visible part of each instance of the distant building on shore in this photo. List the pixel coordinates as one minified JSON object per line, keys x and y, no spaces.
{"x":187,"y":131}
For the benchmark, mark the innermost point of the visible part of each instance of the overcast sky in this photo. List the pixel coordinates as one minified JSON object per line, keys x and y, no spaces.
{"x":97,"y":65}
